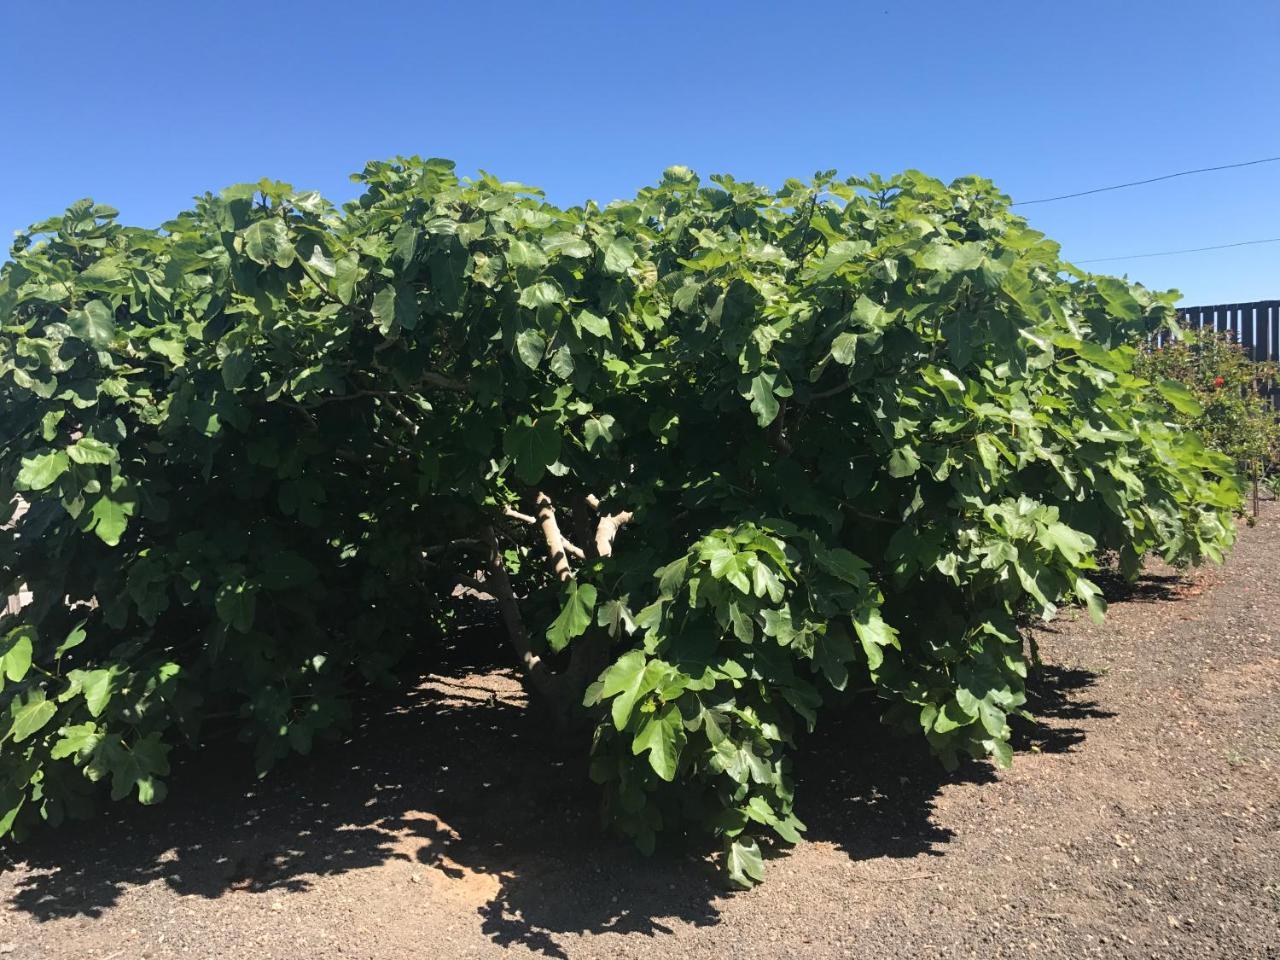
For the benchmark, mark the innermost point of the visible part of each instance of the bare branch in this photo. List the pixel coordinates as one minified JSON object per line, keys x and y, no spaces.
{"x":320,"y":285}
{"x":608,"y":526}
{"x":778,"y":432}
{"x":555,"y":542}
{"x":478,"y":587}
{"x":872,"y":517}
{"x":499,"y":586}
{"x":569,"y":548}
{"x":607,"y":529}
{"x":461,"y":542}
{"x":445,"y":383}
{"x":311,"y":421}
{"x":823,"y":394}
{"x":517,"y":515}
{"x":401,"y":416}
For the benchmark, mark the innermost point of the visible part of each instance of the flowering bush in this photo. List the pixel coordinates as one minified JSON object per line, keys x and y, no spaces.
{"x":1236,"y":417}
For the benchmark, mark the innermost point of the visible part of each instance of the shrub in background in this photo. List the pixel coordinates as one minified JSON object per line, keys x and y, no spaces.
{"x":724,"y":457}
{"x":1235,"y":416}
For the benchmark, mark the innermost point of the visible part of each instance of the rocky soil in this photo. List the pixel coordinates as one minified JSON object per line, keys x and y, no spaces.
{"x":1141,"y":819}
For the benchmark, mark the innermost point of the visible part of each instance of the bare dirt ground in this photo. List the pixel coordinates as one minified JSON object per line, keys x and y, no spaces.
{"x":1141,"y":819}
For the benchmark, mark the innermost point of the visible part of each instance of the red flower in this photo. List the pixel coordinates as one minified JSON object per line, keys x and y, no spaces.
{"x":1219,"y":382}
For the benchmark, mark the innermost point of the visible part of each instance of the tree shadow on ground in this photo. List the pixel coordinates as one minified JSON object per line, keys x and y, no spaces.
{"x":1147,"y":588}
{"x":1056,"y":696}
{"x":457,"y":779}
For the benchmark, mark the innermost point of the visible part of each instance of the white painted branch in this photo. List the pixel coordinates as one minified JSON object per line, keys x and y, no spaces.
{"x":569,"y":548}
{"x":607,"y":529}
{"x":555,"y":541}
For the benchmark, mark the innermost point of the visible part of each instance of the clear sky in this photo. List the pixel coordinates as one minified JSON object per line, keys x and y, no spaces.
{"x":144,"y":104}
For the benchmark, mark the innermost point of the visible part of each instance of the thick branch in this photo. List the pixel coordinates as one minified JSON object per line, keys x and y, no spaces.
{"x":608,"y":526}
{"x":555,"y":542}
{"x":569,"y":548}
{"x":607,"y":529}
{"x":498,"y":585}
{"x":561,"y":690}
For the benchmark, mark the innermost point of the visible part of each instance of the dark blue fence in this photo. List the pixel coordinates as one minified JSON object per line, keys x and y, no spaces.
{"x":1255,"y":325}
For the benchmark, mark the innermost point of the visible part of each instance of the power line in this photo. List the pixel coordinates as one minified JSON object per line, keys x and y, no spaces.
{"x":1169,"y":253}
{"x":1139,"y":183}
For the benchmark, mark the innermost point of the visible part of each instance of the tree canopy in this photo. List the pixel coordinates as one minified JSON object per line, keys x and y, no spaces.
{"x":721,"y":458}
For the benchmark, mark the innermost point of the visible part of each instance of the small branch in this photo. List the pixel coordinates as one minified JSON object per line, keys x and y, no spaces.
{"x":386,"y":396}
{"x":311,"y":421}
{"x":569,"y":548}
{"x":913,"y":876}
{"x":353,"y":395}
{"x":875,"y":519}
{"x":401,"y":416}
{"x":452,"y":544}
{"x":823,"y":394}
{"x":474,"y":585}
{"x":323,"y":287}
{"x":777,"y":433}
{"x":517,"y":515}
{"x":445,"y":383}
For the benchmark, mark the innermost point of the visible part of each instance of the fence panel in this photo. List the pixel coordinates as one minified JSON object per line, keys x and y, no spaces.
{"x":1256,"y":326}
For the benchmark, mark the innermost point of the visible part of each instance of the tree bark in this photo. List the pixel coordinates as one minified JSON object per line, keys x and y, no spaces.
{"x":499,"y":585}
{"x":560,"y":691}
{"x":555,"y":541}
{"x":607,"y":529}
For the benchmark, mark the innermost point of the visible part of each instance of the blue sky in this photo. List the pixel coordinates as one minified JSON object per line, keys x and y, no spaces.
{"x":144,"y":104}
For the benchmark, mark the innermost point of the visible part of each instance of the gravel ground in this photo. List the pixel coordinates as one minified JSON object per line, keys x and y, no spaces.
{"x":1141,"y":819}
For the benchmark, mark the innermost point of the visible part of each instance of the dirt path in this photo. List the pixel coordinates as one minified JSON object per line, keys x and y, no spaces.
{"x":1142,"y":819}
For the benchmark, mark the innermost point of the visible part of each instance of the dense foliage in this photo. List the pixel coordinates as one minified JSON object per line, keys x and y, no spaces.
{"x":724,"y":458}
{"x":1235,"y":414}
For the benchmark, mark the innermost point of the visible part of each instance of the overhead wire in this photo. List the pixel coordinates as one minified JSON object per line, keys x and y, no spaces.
{"x":1139,"y":183}
{"x":1170,"y":253}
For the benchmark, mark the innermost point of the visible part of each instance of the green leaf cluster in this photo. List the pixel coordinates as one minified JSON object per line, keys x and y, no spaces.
{"x":848,"y":433}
